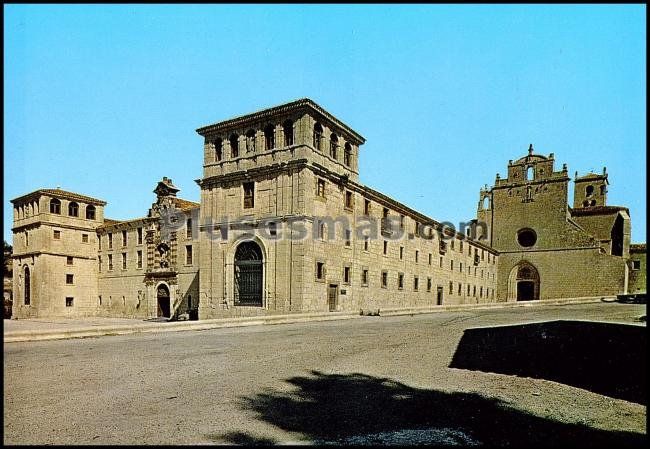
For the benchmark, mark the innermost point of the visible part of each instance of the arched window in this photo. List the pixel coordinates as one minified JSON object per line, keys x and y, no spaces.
{"x":486,"y":203}
{"x":55,"y":206}
{"x":250,"y":141}
{"x":234,"y":145}
{"x":318,"y":136}
{"x":73,"y":209}
{"x":589,"y":190}
{"x":218,"y":149}
{"x":90,"y":212}
{"x":287,"y":127}
{"x":27,"y":287}
{"x":347,"y":155}
{"x":269,"y":137}
{"x":334,"y":145}
{"x":530,"y":174}
{"x":248,"y":275}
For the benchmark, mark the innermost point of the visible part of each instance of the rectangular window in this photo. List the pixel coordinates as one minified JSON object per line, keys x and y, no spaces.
{"x":441,"y":262}
{"x":249,"y":195}
{"x":636,"y":264}
{"x":100,"y":300}
{"x":99,"y":241}
{"x":348,"y":237}
{"x":481,"y":292}
{"x":385,"y":247}
{"x":57,"y":235}
{"x":124,"y":261}
{"x":416,"y":283}
{"x":139,"y":259}
{"x":452,"y":244}
{"x":468,"y":289}
{"x":139,"y":236}
{"x":400,"y":281}
{"x":401,"y":221}
{"x":188,"y":226}
{"x":188,"y":255}
{"x":69,"y":279}
{"x":451,"y":265}
{"x":69,"y":260}
{"x":366,"y":243}
{"x":84,"y":238}
{"x":417,"y":256}
{"x":451,"y":288}
{"x":99,"y":262}
{"x":429,"y":284}
{"x":346,"y":275}
{"x":461,"y":246}
{"x":474,"y":290}
{"x":123,"y":238}
{"x":69,"y":301}
{"x":364,"y":277}
{"x":384,"y":279}
{"x":110,"y":240}
{"x":401,"y":252}
{"x":430,"y":258}
{"x":110,"y":262}
{"x":460,"y":268}
{"x":349,"y":200}
{"x":320,"y":188}
{"x":320,"y":270}
{"x":366,"y":207}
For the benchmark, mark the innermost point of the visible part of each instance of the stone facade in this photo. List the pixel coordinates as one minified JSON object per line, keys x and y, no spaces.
{"x":285,"y":226}
{"x":546,"y":248}
{"x":638,"y":268}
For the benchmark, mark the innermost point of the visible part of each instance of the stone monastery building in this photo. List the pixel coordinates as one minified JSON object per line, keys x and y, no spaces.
{"x":285,"y":226}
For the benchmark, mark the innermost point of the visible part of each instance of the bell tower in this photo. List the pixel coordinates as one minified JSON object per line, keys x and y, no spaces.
{"x":590,"y":190}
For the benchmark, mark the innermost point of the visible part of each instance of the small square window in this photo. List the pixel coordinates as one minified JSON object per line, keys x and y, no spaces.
{"x":69,"y":301}
{"x":69,"y":260}
{"x":320,"y":270}
{"x":69,"y":279}
{"x":366,"y":207}
{"x":636,"y":264}
{"x":57,"y":235}
{"x":249,"y":195}
{"x":84,"y":238}
{"x":346,"y":275}
{"x":349,"y":200}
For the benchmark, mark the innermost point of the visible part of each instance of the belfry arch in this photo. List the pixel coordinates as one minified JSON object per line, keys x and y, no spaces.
{"x":523,"y":282}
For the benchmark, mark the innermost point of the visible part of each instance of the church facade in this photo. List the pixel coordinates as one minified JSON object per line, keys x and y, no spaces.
{"x":285,"y":226}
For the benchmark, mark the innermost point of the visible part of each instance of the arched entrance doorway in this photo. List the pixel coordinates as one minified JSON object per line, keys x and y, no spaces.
{"x":523,"y":282}
{"x":163,"y":301}
{"x":248,"y":274}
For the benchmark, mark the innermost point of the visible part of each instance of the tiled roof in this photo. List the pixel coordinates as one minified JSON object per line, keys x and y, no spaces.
{"x":598,"y":210}
{"x":185,"y":204}
{"x":266,"y":113}
{"x":58,"y":193}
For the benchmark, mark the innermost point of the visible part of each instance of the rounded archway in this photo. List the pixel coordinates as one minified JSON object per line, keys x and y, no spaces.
{"x":523,"y":282}
{"x":163,"y":298}
{"x":248,"y":265}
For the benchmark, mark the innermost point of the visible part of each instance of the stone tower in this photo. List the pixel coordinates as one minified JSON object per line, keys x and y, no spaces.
{"x":590,"y":190}
{"x":55,"y":253}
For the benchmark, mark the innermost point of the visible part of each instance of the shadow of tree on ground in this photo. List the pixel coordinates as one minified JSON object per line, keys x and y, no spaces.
{"x":606,"y":358}
{"x":336,"y":408}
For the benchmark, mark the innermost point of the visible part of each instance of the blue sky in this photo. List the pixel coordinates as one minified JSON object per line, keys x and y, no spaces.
{"x":104,"y":100}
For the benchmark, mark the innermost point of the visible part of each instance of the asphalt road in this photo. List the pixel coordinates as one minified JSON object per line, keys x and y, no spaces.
{"x":370,"y":380}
